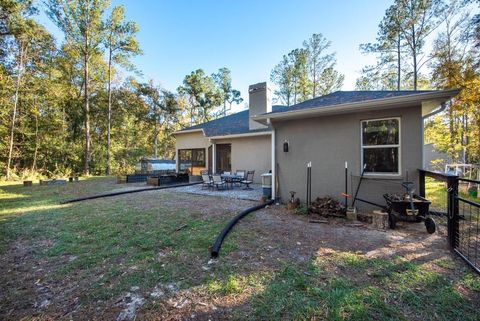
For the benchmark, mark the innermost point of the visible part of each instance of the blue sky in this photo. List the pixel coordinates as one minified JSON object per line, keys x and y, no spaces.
{"x":249,"y":37}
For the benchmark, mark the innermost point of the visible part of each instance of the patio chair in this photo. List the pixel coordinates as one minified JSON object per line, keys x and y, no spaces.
{"x":248,"y":180}
{"x":241,"y":176}
{"x":207,"y":181}
{"x":218,"y":181}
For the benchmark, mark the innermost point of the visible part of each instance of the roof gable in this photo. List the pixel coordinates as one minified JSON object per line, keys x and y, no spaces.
{"x":233,"y":124}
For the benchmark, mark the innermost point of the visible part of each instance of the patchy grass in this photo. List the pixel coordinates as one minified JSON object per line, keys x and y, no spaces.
{"x":83,"y":258}
{"x":349,"y":286}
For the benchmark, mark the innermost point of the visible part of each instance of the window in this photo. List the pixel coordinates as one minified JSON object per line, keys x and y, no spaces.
{"x":191,"y":160}
{"x":381,"y":146}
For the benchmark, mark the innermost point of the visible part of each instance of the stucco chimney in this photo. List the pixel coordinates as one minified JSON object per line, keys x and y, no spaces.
{"x":259,"y":102}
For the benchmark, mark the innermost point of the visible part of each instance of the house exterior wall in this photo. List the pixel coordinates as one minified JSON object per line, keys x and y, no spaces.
{"x":248,"y":153}
{"x":192,"y":140}
{"x":251,"y":153}
{"x":330,"y":141}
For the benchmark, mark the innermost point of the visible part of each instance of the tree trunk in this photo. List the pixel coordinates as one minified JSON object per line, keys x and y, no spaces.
{"x":155,"y":139}
{"x":87,"y":113}
{"x":14,"y":113}
{"x":415,"y":75}
{"x":35,"y":153}
{"x":109,"y":120}
{"x":314,"y":78}
{"x":399,"y":77}
{"x":414,"y":52}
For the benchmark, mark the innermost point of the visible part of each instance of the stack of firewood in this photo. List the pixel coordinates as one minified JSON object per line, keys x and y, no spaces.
{"x":327,"y":206}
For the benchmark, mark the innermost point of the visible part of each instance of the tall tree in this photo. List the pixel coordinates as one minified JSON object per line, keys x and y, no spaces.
{"x":418,"y":19}
{"x":377,"y":77}
{"x":121,"y":44}
{"x":28,"y":45}
{"x":81,"y":22}
{"x":452,"y":67}
{"x":388,"y":47}
{"x":291,"y":76}
{"x":223,"y":79}
{"x":307,"y":72}
{"x":282,"y":76}
{"x":161,"y":107}
{"x":319,"y":61}
{"x":203,"y":95}
{"x":301,"y":83}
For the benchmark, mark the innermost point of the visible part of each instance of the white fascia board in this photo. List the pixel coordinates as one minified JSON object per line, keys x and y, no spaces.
{"x":242,"y":135}
{"x":374,"y":104}
{"x":187,"y":131}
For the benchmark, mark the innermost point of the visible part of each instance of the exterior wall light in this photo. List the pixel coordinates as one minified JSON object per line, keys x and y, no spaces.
{"x":285,"y":146}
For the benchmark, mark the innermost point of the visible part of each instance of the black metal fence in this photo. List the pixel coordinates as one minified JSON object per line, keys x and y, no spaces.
{"x":456,"y":207}
{"x":467,"y":243}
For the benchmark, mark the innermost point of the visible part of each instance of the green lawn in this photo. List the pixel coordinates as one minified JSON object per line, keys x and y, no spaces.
{"x":436,"y":192}
{"x":90,"y":254}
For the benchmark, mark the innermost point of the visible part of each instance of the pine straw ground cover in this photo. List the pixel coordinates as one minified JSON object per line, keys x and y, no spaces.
{"x":145,"y":256}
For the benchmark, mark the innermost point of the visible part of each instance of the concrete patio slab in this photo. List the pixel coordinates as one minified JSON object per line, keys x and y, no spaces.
{"x":255,"y":194}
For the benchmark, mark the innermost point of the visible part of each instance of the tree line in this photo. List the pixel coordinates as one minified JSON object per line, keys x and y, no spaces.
{"x":306,"y":72}
{"x":432,"y":44}
{"x":420,"y":44}
{"x":67,"y":108}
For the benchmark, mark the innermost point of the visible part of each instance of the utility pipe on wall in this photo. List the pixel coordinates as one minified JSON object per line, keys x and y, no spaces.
{"x":273,"y":166}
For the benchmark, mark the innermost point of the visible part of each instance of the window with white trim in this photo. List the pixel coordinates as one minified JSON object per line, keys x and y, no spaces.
{"x":381,"y":146}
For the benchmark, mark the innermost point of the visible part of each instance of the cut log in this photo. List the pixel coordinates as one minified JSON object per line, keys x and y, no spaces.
{"x":380,"y":220}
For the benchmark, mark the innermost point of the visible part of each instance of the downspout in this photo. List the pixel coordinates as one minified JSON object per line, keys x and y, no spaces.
{"x":274,"y":167}
{"x":436,"y":111}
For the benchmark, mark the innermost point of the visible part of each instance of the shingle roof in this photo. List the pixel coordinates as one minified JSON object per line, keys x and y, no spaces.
{"x":229,"y":125}
{"x":238,"y":123}
{"x":345,"y":97}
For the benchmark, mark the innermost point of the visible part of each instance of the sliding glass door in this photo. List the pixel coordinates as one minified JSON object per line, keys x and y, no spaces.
{"x":224,"y":158}
{"x":191,"y":161}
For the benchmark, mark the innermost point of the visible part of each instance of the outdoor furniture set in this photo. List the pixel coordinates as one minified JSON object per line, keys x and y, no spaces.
{"x":227,"y":180}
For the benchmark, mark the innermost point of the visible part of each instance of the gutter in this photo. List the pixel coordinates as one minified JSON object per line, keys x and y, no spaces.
{"x":186,"y":131}
{"x":265,"y":133}
{"x":357,"y":106}
{"x":443,"y":106}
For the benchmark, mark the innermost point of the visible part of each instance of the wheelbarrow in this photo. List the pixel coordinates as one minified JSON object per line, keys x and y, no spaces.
{"x":411,"y":208}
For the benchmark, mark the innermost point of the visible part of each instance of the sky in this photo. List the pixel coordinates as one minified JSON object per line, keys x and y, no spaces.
{"x":248,"y":37}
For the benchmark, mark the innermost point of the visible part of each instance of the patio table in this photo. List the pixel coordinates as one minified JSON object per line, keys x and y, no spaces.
{"x":231,"y":178}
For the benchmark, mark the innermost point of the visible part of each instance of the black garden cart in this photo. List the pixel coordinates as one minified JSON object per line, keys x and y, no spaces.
{"x":410,"y":208}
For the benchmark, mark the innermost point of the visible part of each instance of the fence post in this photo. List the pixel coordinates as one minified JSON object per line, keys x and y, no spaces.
{"x":421,"y":183}
{"x":453,"y":210}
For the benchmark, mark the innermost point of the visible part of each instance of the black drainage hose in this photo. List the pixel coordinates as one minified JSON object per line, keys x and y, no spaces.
{"x":218,"y":242}
{"x":126,"y":192}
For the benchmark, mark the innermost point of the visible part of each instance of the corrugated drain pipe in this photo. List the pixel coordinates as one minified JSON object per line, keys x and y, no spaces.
{"x":74,"y":200}
{"x":218,"y":242}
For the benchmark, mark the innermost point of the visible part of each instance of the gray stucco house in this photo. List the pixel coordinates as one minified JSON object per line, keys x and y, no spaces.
{"x":382,"y":129}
